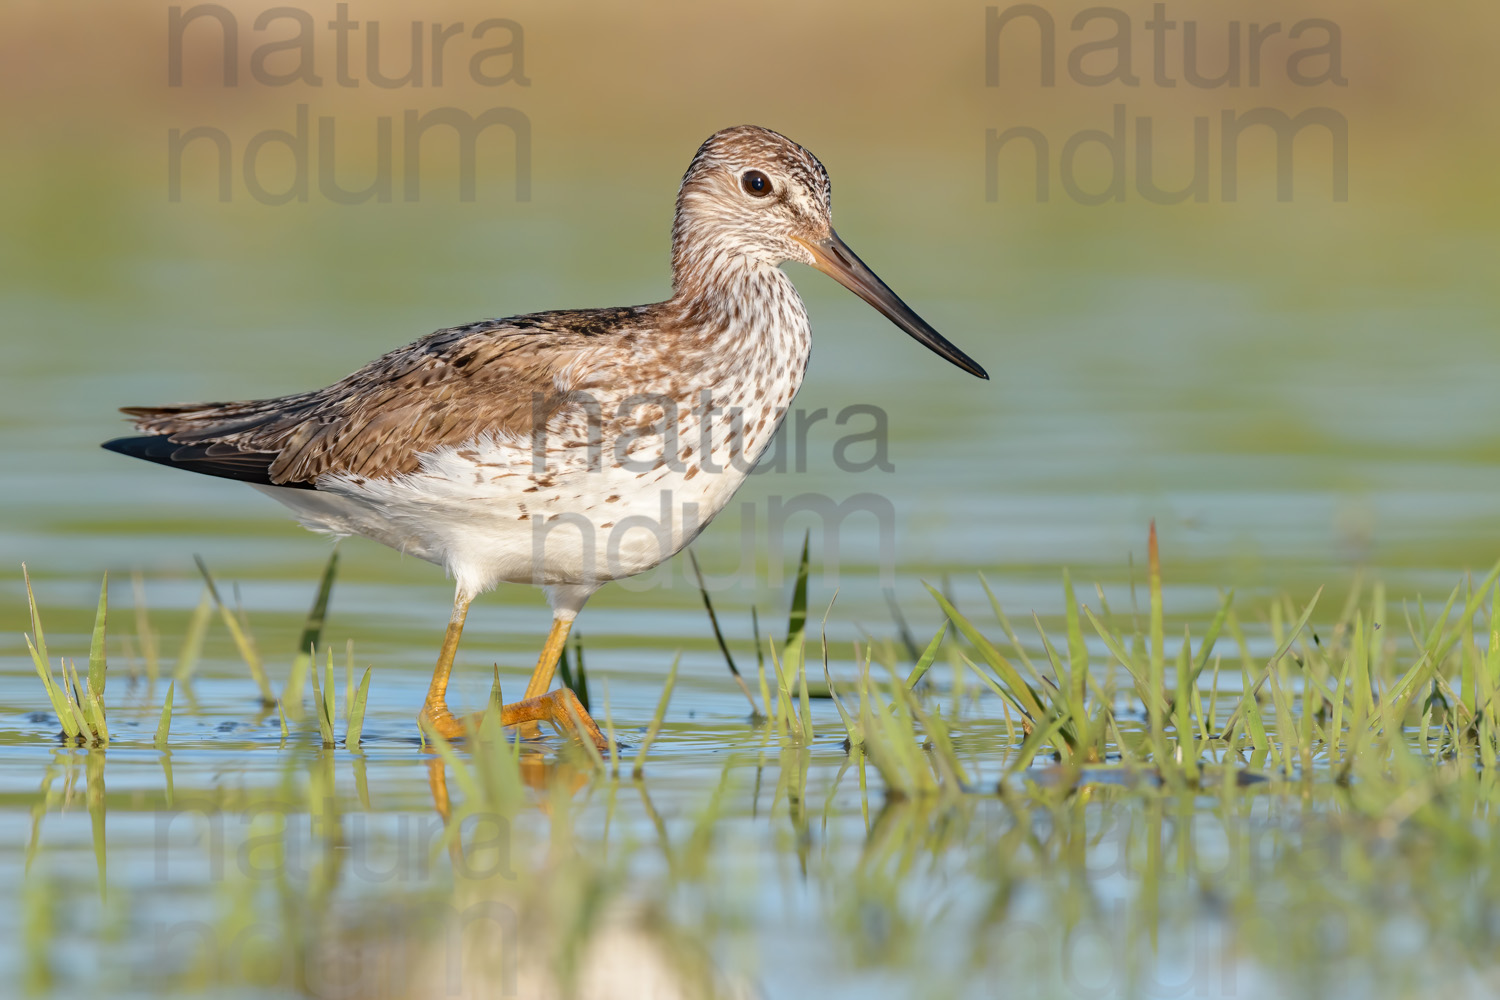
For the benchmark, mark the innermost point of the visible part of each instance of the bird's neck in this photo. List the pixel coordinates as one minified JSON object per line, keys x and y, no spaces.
{"x":717,"y":285}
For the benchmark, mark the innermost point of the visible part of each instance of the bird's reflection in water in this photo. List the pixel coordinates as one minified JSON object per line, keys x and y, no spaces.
{"x":556,"y":925}
{"x":539,"y":772}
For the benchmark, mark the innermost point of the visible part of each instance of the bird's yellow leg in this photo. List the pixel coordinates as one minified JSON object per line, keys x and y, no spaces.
{"x":535,"y":706}
{"x":435,"y":714}
{"x":541,"y":679}
{"x":546,"y":664}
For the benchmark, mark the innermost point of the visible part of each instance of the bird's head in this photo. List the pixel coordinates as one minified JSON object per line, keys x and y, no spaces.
{"x":753,"y":196}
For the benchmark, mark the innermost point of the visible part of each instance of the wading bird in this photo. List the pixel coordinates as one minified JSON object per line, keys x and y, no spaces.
{"x":561,"y":449}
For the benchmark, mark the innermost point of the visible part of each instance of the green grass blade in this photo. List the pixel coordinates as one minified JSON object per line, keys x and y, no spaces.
{"x":96,"y":644}
{"x":1010,"y":633}
{"x":924,"y":662}
{"x":796,"y":626}
{"x":1353,"y":665}
{"x":62,"y":705}
{"x":760,"y":662}
{"x":713,"y":621}
{"x":1187,"y":740}
{"x":1440,"y":623}
{"x":96,"y":709}
{"x":990,"y":682}
{"x":54,"y":694}
{"x":1210,"y":638}
{"x":582,"y":674}
{"x":348,"y":677}
{"x":656,"y":720}
{"x":1078,"y":651}
{"x":82,"y":708}
{"x":852,"y":728}
{"x":330,"y":700}
{"x":903,"y":631}
{"x":1044,"y":733}
{"x":36,"y":621}
{"x":1466,"y":619}
{"x":320,"y":703}
{"x":1281,"y":651}
{"x":949,"y":766}
{"x":317,"y":615}
{"x":357,"y":712}
{"x":1027,"y":699}
{"x":802,"y":695}
{"x":1156,"y":674}
{"x":609,"y":734}
{"x":73,"y":695}
{"x":95,"y":798}
{"x":243,"y":641}
{"x":191,"y":649}
{"x":797,"y":620}
{"x":786,"y":706}
{"x":164,"y":725}
{"x":1124,"y":656}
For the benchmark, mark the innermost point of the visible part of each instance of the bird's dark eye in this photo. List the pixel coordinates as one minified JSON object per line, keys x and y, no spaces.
{"x":755,"y":183}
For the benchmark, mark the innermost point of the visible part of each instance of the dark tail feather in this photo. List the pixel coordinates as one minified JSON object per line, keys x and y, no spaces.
{"x":215,"y":459}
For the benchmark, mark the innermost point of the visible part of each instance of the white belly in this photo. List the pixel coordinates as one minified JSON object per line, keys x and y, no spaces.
{"x":484,"y":513}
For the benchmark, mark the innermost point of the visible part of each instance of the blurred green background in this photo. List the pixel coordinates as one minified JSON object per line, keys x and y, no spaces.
{"x":1287,"y":386}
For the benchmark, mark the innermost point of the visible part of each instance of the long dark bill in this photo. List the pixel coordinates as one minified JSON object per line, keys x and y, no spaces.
{"x":835,"y":259}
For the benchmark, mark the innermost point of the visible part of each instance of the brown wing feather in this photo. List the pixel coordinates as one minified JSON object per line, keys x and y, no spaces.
{"x":444,"y":389}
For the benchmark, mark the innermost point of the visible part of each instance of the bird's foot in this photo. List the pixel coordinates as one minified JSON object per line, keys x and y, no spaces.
{"x":560,"y":709}
{"x":436,"y":718}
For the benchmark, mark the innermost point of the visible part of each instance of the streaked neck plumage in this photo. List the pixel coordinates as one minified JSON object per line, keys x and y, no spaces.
{"x":723,"y":283}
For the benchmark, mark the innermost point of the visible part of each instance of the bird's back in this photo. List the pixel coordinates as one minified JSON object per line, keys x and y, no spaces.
{"x":493,"y":376}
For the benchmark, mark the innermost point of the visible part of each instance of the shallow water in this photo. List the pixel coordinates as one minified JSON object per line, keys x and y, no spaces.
{"x":242,"y":863}
{"x":1294,"y":474}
